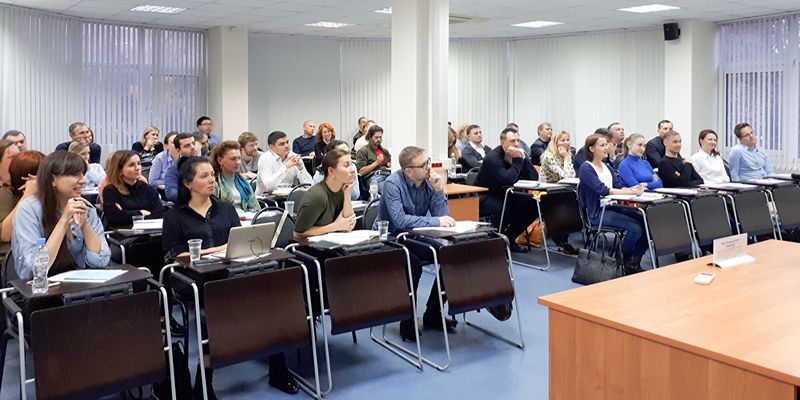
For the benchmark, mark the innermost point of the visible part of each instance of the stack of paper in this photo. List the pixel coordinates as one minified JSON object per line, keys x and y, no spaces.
{"x":281,"y":192}
{"x":87,"y":275}
{"x":768,"y":181}
{"x":461,"y":227}
{"x":148,"y":224}
{"x":345,"y":238}
{"x":678,"y":191}
{"x":727,"y":186}
{"x":570,"y":181}
{"x":523,"y":184}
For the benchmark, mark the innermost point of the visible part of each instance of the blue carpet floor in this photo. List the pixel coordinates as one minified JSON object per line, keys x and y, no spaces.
{"x":482,"y":367}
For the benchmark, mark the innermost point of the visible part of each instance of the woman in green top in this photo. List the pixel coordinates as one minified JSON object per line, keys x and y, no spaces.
{"x":231,"y":187}
{"x":325,"y":208}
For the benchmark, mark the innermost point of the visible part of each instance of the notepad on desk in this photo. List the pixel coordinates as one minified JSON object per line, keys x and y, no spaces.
{"x":678,"y":191}
{"x":345,"y":238}
{"x":149,"y":224}
{"x":461,"y":227}
{"x":525,"y":184}
{"x":570,"y":181}
{"x":87,"y":275}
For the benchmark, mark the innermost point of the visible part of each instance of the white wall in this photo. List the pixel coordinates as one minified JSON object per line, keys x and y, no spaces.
{"x":578,"y":83}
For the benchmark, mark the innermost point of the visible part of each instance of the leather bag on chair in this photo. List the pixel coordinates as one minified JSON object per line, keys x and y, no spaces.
{"x":595,"y":265}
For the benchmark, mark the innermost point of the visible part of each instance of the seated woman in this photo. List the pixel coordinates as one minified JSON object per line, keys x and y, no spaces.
{"x":231,"y":186}
{"x":147,"y":148}
{"x":74,"y":233}
{"x":674,"y":170}
{"x":557,"y":160}
{"x":355,"y":192}
{"x":325,"y":135}
{"x":452,"y":145}
{"x":200,"y":215}
{"x":325,"y":208}
{"x":707,"y":161}
{"x":127,"y":194}
{"x":598,"y":181}
{"x":633,"y":169}
{"x":22,"y":172}
{"x":94,"y":172}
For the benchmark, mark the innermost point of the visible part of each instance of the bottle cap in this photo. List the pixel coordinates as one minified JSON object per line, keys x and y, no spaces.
{"x":41,"y":241}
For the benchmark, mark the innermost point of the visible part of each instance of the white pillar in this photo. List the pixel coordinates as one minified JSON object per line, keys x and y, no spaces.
{"x":420,"y":35}
{"x":228,"y":98}
{"x":690,"y":82}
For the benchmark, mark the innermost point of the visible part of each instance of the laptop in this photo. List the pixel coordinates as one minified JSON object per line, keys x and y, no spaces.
{"x":246,"y":243}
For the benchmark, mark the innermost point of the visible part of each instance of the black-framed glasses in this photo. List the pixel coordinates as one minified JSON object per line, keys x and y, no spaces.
{"x":426,"y":165}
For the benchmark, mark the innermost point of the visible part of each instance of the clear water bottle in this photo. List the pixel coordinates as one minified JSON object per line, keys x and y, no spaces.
{"x":41,"y":261}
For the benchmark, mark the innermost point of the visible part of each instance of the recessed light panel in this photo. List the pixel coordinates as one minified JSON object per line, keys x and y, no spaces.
{"x":158,"y":9}
{"x":538,"y":24}
{"x":387,"y":10}
{"x":649,"y":8}
{"x":328,"y":24}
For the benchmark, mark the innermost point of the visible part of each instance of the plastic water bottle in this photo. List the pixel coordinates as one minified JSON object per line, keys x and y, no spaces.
{"x":373,"y":191}
{"x":41,"y":261}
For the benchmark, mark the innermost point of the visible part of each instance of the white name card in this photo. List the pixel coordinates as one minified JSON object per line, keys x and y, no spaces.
{"x":731,"y":251}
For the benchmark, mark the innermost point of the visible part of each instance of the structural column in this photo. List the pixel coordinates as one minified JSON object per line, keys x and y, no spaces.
{"x":420,"y":35}
{"x":690,"y":82}
{"x":228,"y":96}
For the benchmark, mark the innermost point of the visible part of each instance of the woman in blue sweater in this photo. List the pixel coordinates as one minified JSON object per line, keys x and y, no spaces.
{"x":598,"y":181}
{"x":634,"y":170}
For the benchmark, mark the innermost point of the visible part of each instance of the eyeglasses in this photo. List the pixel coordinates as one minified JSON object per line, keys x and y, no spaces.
{"x":426,"y":165}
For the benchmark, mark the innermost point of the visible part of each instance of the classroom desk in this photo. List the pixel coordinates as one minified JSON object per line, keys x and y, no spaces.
{"x":657,"y":334}
{"x":131,"y":275}
{"x":462,"y":201}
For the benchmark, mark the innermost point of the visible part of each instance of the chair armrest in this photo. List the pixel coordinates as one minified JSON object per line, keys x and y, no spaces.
{"x":11,"y":306}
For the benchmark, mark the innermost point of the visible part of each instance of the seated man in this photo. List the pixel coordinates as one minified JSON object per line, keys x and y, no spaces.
{"x":304,"y":144}
{"x":475,"y":151}
{"x":184,"y":143}
{"x":503,"y":167}
{"x":205,"y":126}
{"x":654,"y":151}
{"x":79,"y":132}
{"x":747,"y":161}
{"x":18,"y":138}
{"x":409,"y":195}
{"x":373,"y":161}
{"x":250,"y":155}
{"x":278,"y":165}
{"x":545,"y":132}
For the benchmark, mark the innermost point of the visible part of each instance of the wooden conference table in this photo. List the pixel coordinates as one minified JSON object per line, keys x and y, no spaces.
{"x":657,"y":334}
{"x":463,"y":202}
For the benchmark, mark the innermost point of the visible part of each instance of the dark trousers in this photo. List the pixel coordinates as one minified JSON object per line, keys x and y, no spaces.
{"x":432,"y":306}
{"x":520,"y":212}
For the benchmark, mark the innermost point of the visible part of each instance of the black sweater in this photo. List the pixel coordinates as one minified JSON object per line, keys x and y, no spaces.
{"x":141,"y":196}
{"x":676,"y":173}
{"x":497,"y":175}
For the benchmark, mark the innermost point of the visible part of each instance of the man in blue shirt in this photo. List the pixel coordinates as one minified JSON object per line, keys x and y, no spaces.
{"x":746,"y":161}
{"x":205,"y":126}
{"x":184,"y":142}
{"x":409,"y":196}
{"x":304,"y":144}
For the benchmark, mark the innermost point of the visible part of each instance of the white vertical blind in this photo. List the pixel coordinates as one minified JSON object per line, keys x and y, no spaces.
{"x":366,"y":82}
{"x":478,"y":92}
{"x":118,"y":79}
{"x":580,"y":83}
{"x":758,"y":84}
{"x":292,"y":80}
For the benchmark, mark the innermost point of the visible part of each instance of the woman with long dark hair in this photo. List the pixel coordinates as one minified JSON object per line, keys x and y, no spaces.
{"x":127,"y":194}
{"x":74,"y":233}
{"x":707,"y":161}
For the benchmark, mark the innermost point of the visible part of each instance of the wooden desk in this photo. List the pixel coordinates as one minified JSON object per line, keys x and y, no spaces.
{"x":462,"y":202}
{"x":657,"y":334}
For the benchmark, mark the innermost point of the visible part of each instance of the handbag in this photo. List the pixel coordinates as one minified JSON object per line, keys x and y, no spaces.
{"x":593,"y":266}
{"x":532,"y":236}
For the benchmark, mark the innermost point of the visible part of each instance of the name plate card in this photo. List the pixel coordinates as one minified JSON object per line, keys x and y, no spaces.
{"x":731,"y":251}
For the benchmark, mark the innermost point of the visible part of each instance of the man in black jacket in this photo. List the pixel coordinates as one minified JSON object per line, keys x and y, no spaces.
{"x":654,"y":151}
{"x":502,"y":167}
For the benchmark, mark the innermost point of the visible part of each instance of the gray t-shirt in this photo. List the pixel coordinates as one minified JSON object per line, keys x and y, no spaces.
{"x":249,"y":166}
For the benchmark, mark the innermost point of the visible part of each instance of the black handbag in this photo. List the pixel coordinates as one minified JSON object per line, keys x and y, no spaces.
{"x":595,"y":265}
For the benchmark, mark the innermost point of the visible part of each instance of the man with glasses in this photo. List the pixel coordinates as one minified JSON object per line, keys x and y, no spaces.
{"x":475,"y":151}
{"x":205,"y":125}
{"x":747,"y":161}
{"x":409,"y":196}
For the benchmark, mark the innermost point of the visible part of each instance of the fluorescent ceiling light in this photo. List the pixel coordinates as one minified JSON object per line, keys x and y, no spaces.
{"x":538,"y":24}
{"x":328,"y":24}
{"x":387,"y":10}
{"x":649,"y":8}
{"x":158,"y":9}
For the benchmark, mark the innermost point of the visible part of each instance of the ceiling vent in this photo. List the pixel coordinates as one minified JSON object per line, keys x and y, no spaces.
{"x":458,"y":19}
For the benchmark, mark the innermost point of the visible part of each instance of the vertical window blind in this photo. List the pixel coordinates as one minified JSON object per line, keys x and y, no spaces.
{"x":759,"y":83}
{"x":119,"y":79}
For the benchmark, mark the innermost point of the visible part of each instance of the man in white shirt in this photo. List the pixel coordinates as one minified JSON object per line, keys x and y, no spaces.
{"x":278,"y":165}
{"x":475,"y":151}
